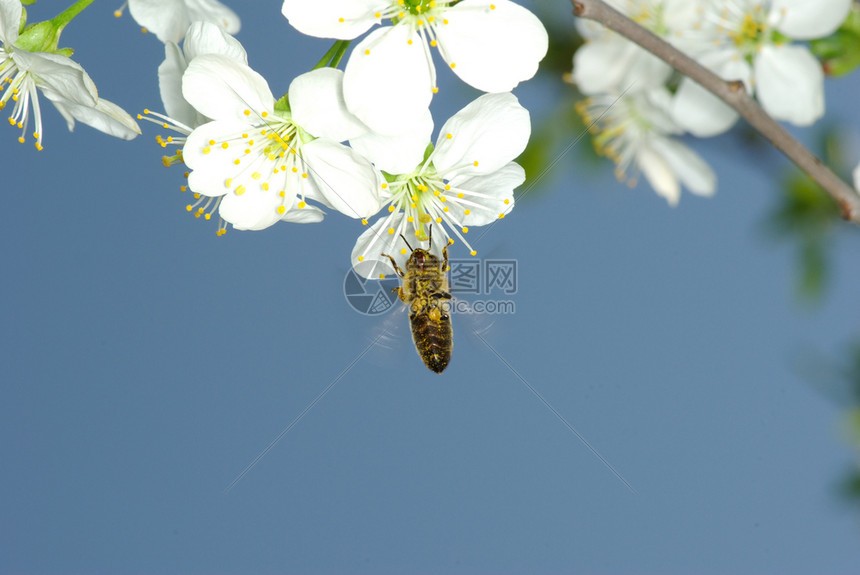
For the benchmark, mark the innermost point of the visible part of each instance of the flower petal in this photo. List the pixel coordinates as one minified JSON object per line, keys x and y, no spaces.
{"x":808,"y":19}
{"x":659,"y":174}
{"x":214,"y":12}
{"x":856,"y":175}
{"x":167,"y":19}
{"x":387,"y":81}
{"x":170,"y":87}
{"x":221,"y":88}
{"x":306,"y":215}
{"x":700,"y":112}
{"x":317,"y":105}
{"x":492,"y":195}
{"x":207,"y":38}
{"x":617,"y":64}
{"x":10,"y":20}
{"x":341,"y":19}
{"x":253,"y":210}
{"x":396,"y":154}
{"x":790,"y":84}
{"x":367,"y":259}
{"x":484,"y":136}
{"x":492,"y":46}
{"x":59,"y":77}
{"x":342,"y":178}
{"x":695,"y":174}
{"x":105,"y":117}
{"x":210,"y":170}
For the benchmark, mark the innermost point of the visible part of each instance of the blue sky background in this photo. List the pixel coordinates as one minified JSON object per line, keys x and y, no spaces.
{"x":146,"y":362}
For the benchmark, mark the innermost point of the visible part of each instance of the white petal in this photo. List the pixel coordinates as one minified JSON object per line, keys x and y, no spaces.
{"x":659,"y":174}
{"x":207,"y":38}
{"x":590,"y":30}
{"x":730,"y":65}
{"x":341,"y":19}
{"x":222,"y":88}
{"x":59,"y":77}
{"x":790,"y":84}
{"x":807,"y":19}
{"x":396,"y":154}
{"x":857,"y":178}
{"x":306,"y":215}
{"x":655,"y":106}
{"x":492,"y":46}
{"x":492,"y":130}
{"x":105,"y":117}
{"x":10,"y":20}
{"x":680,"y":15}
{"x":375,"y":241}
{"x":699,"y":112}
{"x":167,"y":19}
{"x":495,"y":189}
{"x":316,"y":102}
{"x":342,"y":178}
{"x":387,"y":81}
{"x":214,"y":12}
{"x":253,"y":210}
{"x":617,"y":64}
{"x":210,"y":171}
{"x":695,"y":174}
{"x":170,"y":87}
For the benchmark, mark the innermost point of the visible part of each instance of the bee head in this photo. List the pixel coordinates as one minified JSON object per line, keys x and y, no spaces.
{"x":421,"y":257}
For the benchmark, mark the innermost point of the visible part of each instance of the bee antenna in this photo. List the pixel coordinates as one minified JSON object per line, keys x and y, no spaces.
{"x":430,"y":236}
{"x":407,"y":243}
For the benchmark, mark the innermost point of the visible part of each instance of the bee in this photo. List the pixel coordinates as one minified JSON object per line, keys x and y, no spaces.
{"x":425,"y":289}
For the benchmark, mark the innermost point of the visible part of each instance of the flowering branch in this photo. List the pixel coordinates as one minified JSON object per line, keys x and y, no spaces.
{"x":733,"y":94}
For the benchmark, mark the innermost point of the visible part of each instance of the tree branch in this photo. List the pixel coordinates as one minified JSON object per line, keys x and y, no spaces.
{"x":733,"y":94}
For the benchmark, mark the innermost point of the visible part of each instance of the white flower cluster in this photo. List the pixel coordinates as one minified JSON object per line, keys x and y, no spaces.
{"x":636,"y":118}
{"x":258,"y":159}
{"x":32,"y":63}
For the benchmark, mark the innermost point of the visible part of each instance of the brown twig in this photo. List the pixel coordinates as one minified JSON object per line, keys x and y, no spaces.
{"x":733,"y":94}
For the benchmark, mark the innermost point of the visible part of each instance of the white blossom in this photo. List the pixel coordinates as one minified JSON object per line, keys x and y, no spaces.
{"x":752,"y":41}
{"x":64,"y":82}
{"x":261,"y":162}
{"x":636,"y":132}
{"x":390,"y":78}
{"x":610,"y":62}
{"x":466,"y":181}
{"x":170,"y":19}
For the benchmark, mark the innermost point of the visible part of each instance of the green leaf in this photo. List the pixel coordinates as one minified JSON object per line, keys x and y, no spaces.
{"x":840,"y":52}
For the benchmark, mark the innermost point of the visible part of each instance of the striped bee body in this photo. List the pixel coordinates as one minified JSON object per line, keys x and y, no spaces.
{"x":425,"y":289}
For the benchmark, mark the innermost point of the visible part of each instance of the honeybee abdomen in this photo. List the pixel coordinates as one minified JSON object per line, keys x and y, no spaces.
{"x":433,"y":340}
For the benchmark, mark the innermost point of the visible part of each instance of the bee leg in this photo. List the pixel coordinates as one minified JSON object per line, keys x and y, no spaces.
{"x":394,"y":263}
{"x":441,"y":295}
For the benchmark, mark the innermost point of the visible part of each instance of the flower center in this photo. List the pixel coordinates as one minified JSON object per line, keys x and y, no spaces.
{"x":420,"y":196}
{"x":750,"y":31}
{"x":416,"y":8}
{"x":742,"y":23}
